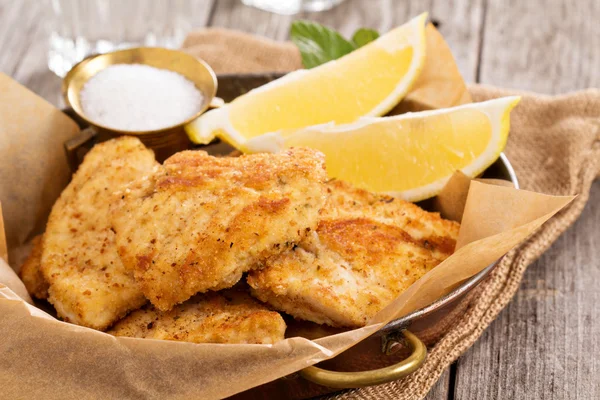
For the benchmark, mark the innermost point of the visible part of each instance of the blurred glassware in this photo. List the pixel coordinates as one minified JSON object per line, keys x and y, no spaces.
{"x":84,"y":27}
{"x":290,"y":7}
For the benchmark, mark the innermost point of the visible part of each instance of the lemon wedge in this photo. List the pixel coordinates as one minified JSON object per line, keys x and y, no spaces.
{"x":412,"y":155}
{"x":367,"y":82}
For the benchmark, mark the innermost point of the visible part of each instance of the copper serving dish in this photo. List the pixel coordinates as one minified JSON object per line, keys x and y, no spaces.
{"x":396,"y":350}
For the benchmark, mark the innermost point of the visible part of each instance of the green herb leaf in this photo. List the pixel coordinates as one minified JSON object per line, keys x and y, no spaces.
{"x":318,"y":44}
{"x":363,"y":36}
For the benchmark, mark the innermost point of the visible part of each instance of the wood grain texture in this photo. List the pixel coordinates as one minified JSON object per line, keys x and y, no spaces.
{"x":233,"y":14}
{"x":381,"y":15}
{"x":542,"y":46}
{"x":31,"y":69}
{"x":441,"y":390}
{"x":544,"y":345}
{"x":24,"y":33}
{"x":461,"y":23}
{"x":23,"y":40}
{"x":18,"y":22}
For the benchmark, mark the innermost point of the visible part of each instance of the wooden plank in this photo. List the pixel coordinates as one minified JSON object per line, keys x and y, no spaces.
{"x":544,"y":345}
{"x":32,"y":69}
{"x":18,"y":21}
{"x":440,"y":391}
{"x":546,"y":47}
{"x":380,"y":15}
{"x":233,"y":14}
{"x":24,"y":41}
{"x":460,"y":22}
{"x":201,"y":11}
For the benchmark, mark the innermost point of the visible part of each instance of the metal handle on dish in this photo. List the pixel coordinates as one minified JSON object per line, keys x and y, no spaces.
{"x":345,"y":380}
{"x":79,"y":145}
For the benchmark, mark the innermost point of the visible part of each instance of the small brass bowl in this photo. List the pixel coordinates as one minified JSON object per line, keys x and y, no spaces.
{"x":164,"y":141}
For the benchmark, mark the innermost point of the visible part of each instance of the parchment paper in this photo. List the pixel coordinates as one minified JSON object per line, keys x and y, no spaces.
{"x":42,"y":357}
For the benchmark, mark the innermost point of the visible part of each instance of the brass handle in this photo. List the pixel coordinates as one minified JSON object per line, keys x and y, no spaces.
{"x":346,"y":380}
{"x":78,"y":146}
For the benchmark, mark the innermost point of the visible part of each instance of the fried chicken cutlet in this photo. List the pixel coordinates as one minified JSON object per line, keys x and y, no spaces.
{"x":366,"y":250}
{"x":225,"y":317}
{"x":88,"y":284}
{"x":31,"y":274}
{"x":200,"y":222}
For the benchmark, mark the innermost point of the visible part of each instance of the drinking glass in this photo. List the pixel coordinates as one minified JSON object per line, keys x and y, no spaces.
{"x":290,"y":7}
{"x":83,"y":27}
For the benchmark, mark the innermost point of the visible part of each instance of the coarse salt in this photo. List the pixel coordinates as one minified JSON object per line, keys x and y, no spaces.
{"x":136,"y":97}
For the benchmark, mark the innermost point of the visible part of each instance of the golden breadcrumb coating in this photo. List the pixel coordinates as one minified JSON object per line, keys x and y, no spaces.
{"x":366,"y":250}
{"x":200,"y":222}
{"x":226,"y":317}
{"x":88,"y":283}
{"x":31,"y":274}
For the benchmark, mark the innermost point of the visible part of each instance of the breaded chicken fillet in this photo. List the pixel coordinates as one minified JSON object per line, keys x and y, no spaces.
{"x":88,"y":283}
{"x":226,"y":317}
{"x":31,"y":274}
{"x":366,"y":250}
{"x":200,"y":222}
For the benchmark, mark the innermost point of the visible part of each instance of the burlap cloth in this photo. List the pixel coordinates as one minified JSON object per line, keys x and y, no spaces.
{"x":554,"y":146}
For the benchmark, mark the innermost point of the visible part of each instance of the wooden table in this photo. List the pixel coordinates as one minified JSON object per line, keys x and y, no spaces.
{"x":545,"y":344}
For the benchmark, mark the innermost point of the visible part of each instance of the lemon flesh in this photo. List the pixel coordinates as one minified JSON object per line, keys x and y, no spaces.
{"x":411,"y":155}
{"x":367,"y":82}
